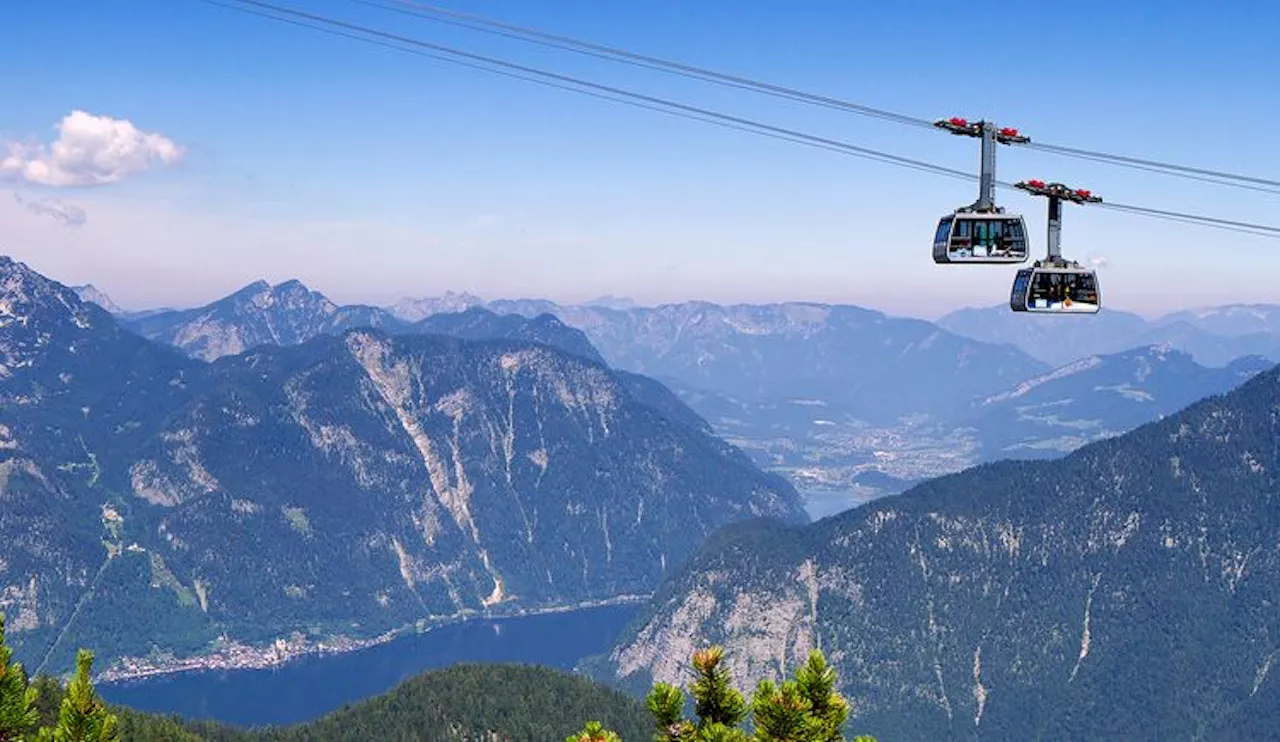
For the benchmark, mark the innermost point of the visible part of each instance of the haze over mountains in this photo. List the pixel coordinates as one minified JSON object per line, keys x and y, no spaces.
{"x":1125,"y":591}
{"x":1098,"y":397}
{"x":156,"y":506}
{"x":837,"y":398}
{"x":1214,"y":336}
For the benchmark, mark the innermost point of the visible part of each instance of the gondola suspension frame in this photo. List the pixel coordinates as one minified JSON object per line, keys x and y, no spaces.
{"x":1026,"y":280}
{"x":1005,"y":235}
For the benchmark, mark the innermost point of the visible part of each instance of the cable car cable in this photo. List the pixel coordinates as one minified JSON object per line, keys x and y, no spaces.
{"x":742,"y":123}
{"x":601,"y":51}
{"x":1148,"y":164}
{"x":486,"y":25}
{"x":684,"y":110}
{"x":1260,"y":230}
{"x":602,"y":96}
{"x":1264,"y":230}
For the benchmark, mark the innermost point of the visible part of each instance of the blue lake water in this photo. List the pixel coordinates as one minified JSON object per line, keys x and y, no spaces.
{"x":313,"y":686}
{"x":822,"y":503}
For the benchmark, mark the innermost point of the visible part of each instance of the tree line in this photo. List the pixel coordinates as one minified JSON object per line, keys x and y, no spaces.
{"x":806,"y":708}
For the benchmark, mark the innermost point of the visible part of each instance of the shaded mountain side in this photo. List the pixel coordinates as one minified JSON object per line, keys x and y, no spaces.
{"x":879,"y":367}
{"x":546,"y":329}
{"x":653,"y":393}
{"x":482,"y":324}
{"x":1125,"y":591}
{"x":329,"y":492}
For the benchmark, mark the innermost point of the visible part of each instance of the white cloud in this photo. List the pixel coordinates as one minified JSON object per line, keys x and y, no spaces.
{"x":89,"y":150}
{"x":67,"y":213}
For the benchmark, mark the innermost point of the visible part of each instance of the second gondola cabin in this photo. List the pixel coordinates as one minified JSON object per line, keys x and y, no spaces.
{"x":980,"y":237}
{"x":1062,"y":288}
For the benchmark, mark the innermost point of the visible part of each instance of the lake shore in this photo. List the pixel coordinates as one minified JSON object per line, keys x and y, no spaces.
{"x":229,"y":654}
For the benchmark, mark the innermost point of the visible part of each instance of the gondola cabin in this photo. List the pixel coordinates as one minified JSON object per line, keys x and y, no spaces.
{"x":980,"y":238}
{"x":1050,"y":289}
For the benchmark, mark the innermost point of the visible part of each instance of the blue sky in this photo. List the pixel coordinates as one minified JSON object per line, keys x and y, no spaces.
{"x":373,"y":174}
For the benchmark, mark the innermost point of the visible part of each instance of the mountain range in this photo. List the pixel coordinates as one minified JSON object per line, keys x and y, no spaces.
{"x":259,"y":314}
{"x":1214,"y":336}
{"x":1098,"y":397}
{"x":360,"y":479}
{"x":761,"y":353}
{"x":159,"y":508}
{"x":837,"y":398}
{"x":1126,"y":591}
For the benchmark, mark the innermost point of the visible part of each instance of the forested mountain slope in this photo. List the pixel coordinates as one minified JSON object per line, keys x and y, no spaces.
{"x":1126,"y":591}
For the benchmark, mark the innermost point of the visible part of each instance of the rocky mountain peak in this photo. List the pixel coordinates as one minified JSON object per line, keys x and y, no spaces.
{"x":36,"y":312}
{"x":91,"y":293}
{"x":250,"y":290}
{"x":22,"y":288}
{"x":412,"y":309}
{"x":295,"y":294}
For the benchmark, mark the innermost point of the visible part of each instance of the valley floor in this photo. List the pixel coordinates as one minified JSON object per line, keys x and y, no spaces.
{"x":863,"y":460}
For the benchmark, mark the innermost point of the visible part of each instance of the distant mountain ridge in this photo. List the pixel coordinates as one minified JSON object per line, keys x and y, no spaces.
{"x":413,"y":310}
{"x":157,"y":507}
{"x":477,"y":323}
{"x":91,"y":293}
{"x":287,"y":313}
{"x":829,"y":395}
{"x":1213,"y":336}
{"x":770,"y":352}
{"x":1230,"y":320}
{"x":1099,"y":397}
{"x":857,"y":360}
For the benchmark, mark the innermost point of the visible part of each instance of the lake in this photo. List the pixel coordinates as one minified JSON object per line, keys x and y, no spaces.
{"x":313,"y":686}
{"x":822,"y":503}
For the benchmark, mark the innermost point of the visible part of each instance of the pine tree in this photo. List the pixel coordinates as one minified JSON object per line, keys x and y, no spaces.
{"x":18,"y":715}
{"x":83,"y":716}
{"x":719,"y":706}
{"x":828,"y":710}
{"x":666,"y":703}
{"x":804,"y":709}
{"x":715,"y":700}
{"x":594,"y":731}
{"x":781,"y":713}
{"x":49,"y":695}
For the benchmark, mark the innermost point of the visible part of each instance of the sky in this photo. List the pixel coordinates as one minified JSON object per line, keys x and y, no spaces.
{"x":171,"y":151}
